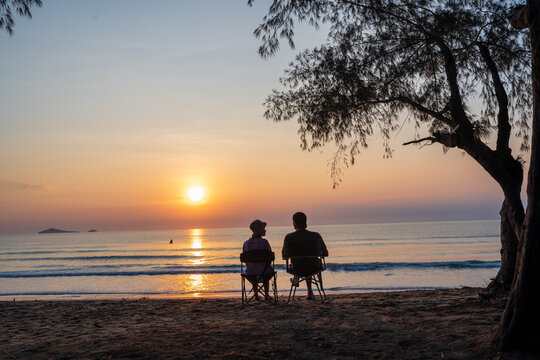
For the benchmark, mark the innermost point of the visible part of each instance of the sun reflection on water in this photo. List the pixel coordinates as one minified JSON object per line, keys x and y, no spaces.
{"x":196,"y":238}
{"x":196,"y":245}
{"x":197,"y":282}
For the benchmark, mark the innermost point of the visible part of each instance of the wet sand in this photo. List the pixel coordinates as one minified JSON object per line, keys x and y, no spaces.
{"x":420,"y":324}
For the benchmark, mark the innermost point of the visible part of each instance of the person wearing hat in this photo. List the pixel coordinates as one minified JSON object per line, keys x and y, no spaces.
{"x":257,"y":242}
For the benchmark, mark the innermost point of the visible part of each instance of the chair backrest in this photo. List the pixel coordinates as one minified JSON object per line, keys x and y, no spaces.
{"x":306,"y":265}
{"x":257,"y":256}
{"x":306,"y":256}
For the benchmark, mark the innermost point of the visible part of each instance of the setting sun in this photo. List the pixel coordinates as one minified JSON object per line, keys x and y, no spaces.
{"x":195,"y":193}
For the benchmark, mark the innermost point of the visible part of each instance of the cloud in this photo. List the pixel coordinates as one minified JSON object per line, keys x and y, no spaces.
{"x":25,"y":186}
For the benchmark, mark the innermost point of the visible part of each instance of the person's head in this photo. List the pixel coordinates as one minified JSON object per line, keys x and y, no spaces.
{"x":258,"y":228}
{"x":299,"y":220}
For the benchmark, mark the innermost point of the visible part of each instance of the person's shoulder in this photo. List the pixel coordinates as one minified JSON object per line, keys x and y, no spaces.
{"x":290,"y":235}
{"x":314,"y":233}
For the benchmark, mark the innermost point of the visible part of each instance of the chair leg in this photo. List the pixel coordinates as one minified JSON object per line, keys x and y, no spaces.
{"x":290,"y":292}
{"x":315,"y":279}
{"x":253,"y":292}
{"x":243,"y":291}
{"x":294,"y":287}
{"x":295,"y":282}
{"x":316,"y":282}
{"x":322,"y":293}
{"x":246,"y":298}
{"x":274,"y":288}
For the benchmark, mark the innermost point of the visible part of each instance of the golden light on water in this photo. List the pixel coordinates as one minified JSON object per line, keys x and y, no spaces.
{"x":196,"y":244}
{"x":196,"y":238}
{"x":197,"y":283}
{"x":200,"y":258}
{"x":196,"y":233}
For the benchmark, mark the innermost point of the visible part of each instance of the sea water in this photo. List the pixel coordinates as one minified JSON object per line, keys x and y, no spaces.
{"x":205,"y":262}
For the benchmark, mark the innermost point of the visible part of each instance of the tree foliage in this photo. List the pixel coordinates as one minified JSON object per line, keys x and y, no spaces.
{"x":455,"y":67}
{"x":8,"y":8}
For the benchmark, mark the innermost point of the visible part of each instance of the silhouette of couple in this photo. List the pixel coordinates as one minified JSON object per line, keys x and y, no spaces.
{"x":301,"y":242}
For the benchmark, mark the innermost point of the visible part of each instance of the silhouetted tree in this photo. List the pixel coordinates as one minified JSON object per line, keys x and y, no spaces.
{"x":519,"y":330}
{"x":10,"y":7}
{"x":458,"y":69}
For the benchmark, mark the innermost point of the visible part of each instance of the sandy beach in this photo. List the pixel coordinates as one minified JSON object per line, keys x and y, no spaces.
{"x":427,"y":324}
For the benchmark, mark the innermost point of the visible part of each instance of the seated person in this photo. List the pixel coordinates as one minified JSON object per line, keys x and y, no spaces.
{"x":253,"y":270}
{"x":303,"y":242}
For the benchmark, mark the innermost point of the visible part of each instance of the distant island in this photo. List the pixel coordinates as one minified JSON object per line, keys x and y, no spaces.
{"x":55,"y":231}
{"x":93,"y":230}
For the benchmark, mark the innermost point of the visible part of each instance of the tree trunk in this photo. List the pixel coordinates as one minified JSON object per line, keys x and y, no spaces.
{"x":509,"y":247}
{"x":519,"y":331}
{"x":508,"y":172}
{"x":501,"y":284}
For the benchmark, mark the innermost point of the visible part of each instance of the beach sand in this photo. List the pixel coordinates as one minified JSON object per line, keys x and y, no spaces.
{"x":420,"y":324}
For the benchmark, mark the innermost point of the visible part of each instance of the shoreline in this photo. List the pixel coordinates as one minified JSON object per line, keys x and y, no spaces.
{"x":207,"y":295}
{"x":412,"y":324}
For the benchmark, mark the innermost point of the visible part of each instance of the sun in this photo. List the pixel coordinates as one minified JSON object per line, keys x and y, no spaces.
{"x":195,"y":193}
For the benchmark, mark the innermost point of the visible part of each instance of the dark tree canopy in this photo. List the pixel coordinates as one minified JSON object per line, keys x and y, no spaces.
{"x":437,"y":60}
{"x":8,"y":8}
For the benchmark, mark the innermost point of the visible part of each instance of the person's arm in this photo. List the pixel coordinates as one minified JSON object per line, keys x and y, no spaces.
{"x":324,"y":250}
{"x":285,"y":250}
{"x":267,"y":245}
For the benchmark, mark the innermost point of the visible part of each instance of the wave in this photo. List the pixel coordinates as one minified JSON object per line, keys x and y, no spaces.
{"x":384,"y":288}
{"x":479,"y":236}
{"x":109,"y":250}
{"x":351,"y":243}
{"x":235,"y":268}
{"x":468,"y":264}
{"x":104,"y":258}
{"x":37,"y":274}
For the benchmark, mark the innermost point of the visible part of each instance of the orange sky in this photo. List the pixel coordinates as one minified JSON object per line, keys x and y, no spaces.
{"x":106,"y":126}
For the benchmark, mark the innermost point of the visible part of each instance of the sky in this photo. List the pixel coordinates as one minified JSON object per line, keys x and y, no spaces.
{"x":111,"y":110}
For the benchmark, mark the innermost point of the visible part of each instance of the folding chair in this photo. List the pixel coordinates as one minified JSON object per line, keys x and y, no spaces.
{"x":258,"y":256}
{"x":304,"y":267}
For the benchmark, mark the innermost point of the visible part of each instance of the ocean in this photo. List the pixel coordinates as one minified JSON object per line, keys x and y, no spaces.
{"x":205,"y":262}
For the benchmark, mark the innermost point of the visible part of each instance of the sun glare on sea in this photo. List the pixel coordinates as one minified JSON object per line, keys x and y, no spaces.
{"x":195,"y":193}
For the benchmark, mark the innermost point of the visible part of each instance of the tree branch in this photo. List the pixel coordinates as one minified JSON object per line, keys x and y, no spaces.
{"x":459,"y":116}
{"x":448,"y":139}
{"x":417,"y":106}
{"x":503,"y":120}
{"x":391,"y":14}
{"x":429,"y":138}
{"x":435,"y":114}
